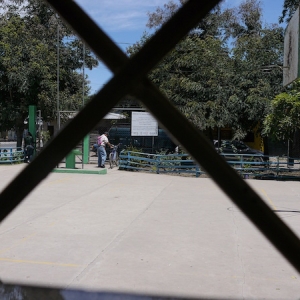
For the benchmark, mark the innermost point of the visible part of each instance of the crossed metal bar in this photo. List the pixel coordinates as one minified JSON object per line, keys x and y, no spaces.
{"x":131,"y":78}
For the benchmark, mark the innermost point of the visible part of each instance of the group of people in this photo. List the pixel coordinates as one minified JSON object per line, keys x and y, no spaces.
{"x":102,"y":142}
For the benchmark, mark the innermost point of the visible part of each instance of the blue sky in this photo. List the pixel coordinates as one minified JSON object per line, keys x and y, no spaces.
{"x":125,"y":21}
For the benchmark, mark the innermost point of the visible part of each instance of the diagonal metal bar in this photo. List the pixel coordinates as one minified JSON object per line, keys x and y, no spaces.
{"x":161,"y":43}
{"x":273,"y":228}
{"x":197,"y":145}
{"x":125,"y":81}
{"x":207,"y":157}
{"x":232,"y":184}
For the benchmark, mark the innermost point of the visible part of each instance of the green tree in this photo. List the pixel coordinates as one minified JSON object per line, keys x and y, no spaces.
{"x":28,"y":64}
{"x":283,"y":121}
{"x":215,"y":75}
{"x":289,"y":8}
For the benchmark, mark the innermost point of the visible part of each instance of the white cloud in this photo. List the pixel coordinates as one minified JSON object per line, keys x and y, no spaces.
{"x":120,"y":15}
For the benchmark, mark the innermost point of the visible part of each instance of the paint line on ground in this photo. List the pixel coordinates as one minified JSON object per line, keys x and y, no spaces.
{"x":52,"y":224}
{"x":61,"y":180}
{"x":269,"y":200}
{"x":23,"y":240}
{"x":49,"y":263}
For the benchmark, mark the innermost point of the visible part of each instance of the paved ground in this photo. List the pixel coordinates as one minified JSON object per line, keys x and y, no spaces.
{"x":145,"y":233}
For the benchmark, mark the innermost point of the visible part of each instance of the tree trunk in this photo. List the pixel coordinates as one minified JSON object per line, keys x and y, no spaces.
{"x":210,"y":134}
{"x":295,"y":147}
{"x":266,"y":145}
{"x":266,"y":148}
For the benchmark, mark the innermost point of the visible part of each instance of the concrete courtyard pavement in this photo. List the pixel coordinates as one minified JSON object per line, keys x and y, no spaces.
{"x":147,"y":234}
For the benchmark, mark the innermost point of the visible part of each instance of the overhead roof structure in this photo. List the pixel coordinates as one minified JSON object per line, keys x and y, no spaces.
{"x":114,"y":116}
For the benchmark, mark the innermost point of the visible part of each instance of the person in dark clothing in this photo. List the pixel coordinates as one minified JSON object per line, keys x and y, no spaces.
{"x":28,"y":147}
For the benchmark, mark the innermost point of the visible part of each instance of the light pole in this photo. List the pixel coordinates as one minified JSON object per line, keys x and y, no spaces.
{"x":86,"y":140}
{"x":57,"y":75}
{"x":40,"y":124}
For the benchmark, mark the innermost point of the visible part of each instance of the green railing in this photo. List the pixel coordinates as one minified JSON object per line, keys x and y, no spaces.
{"x":11,"y":155}
{"x":157,"y":163}
{"x":247,"y":165}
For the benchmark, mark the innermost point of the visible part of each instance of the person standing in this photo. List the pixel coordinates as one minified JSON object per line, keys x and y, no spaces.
{"x":28,"y":147}
{"x":102,"y":142}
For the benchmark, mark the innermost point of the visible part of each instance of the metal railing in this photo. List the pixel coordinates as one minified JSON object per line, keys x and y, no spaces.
{"x":11,"y":155}
{"x":157,"y":163}
{"x":246,"y":165}
{"x":131,"y":78}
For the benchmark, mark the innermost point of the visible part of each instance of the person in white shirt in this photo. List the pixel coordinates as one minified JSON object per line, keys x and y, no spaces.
{"x":102,"y":142}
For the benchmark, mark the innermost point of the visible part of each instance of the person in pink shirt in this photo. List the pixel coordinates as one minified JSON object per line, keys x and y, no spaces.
{"x":102,"y":142}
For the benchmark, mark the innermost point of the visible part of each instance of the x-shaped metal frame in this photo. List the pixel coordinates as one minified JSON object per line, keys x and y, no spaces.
{"x":131,"y":78}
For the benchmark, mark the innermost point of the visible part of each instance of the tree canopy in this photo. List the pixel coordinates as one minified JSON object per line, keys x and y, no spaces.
{"x":289,"y":8}
{"x":284,"y":117}
{"x":283,"y":120}
{"x":215,"y":76}
{"x":30,"y":34}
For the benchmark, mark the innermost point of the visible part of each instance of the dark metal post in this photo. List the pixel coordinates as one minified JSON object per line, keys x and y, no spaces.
{"x":32,"y":124}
